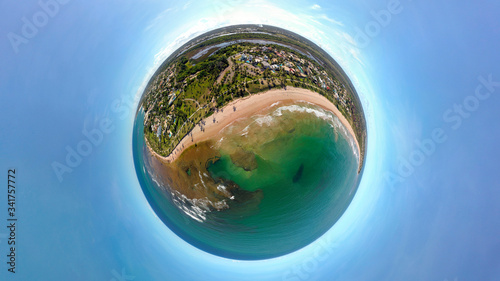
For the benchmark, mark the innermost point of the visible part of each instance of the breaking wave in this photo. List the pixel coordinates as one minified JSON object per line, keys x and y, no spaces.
{"x":309,"y":108}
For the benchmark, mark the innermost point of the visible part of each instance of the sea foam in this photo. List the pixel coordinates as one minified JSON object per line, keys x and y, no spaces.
{"x":328,"y":116}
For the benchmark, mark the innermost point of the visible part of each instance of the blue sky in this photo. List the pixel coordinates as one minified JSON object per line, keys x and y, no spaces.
{"x":87,"y":63}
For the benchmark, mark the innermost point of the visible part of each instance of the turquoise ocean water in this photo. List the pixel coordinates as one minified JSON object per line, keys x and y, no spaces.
{"x":305,"y":177}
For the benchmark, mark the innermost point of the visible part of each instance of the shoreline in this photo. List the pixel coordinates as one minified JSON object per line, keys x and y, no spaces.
{"x":247,"y":106}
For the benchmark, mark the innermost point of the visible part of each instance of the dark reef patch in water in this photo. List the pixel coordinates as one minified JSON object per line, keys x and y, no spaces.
{"x":298,"y":175}
{"x":260,"y":191}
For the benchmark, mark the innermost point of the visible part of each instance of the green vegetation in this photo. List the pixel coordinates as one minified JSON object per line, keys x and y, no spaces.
{"x":206,"y":77}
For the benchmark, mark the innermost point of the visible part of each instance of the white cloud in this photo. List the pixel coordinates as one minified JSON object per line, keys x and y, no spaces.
{"x":186,"y":5}
{"x":316,"y":7}
{"x":348,"y":38}
{"x":355,"y":54}
{"x":327,"y":18}
{"x":158,"y":18}
{"x":339,"y":44}
{"x":189,"y":34}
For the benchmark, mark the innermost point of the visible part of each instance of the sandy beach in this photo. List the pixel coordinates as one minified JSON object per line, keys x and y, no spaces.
{"x":249,"y":106}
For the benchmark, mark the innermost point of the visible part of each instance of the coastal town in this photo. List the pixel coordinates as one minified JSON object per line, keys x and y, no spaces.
{"x":203,"y":81}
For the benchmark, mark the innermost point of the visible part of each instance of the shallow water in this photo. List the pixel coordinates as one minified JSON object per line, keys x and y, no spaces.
{"x":295,"y":171}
